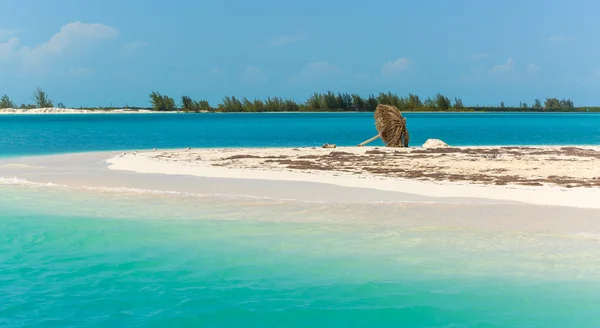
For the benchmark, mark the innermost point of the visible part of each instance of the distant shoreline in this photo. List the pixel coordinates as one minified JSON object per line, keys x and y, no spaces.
{"x":62,"y":111}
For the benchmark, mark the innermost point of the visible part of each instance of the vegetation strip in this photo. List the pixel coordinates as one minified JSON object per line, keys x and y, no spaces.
{"x":318,"y":102}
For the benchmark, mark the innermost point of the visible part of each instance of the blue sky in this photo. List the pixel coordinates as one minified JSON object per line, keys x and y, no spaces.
{"x":98,"y":52}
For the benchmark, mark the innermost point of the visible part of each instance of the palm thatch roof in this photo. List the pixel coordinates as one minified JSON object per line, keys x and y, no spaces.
{"x":391,"y":126}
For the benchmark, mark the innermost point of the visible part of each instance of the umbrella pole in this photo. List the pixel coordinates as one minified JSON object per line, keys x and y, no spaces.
{"x":370,"y":140}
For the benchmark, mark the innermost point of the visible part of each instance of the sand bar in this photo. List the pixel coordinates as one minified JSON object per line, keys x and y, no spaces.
{"x":372,"y":200}
{"x":19,"y":111}
{"x":562,"y":176}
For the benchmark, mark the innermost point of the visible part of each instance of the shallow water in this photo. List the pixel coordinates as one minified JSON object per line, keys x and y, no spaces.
{"x":97,"y":257}
{"x":91,"y":259}
{"x":46,"y":134}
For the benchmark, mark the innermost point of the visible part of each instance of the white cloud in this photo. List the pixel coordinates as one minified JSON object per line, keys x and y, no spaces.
{"x":391,"y":68}
{"x":215,"y":70}
{"x":503,"y":68}
{"x":562,"y":38}
{"x":9,"y":48}
{"x":132,"y":47}
{"x":8,"y":33}
{"x":253,"y":75}
{"x":67,"y":38}
{"x":70,"y":34}
{"x":479,"y":56}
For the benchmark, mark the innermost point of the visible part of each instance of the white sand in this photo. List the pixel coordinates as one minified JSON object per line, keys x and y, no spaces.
{"x":323,"y":200}
{"x":76,"y":111}
{"x":531,"y":164}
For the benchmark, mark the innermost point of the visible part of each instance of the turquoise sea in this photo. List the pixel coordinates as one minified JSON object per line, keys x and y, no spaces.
{"x":72,"y":258}
{"x":44,"y":134}
{"x":99,"y":260}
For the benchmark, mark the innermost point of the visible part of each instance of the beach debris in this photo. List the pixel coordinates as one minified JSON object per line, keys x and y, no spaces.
{"x":391,"y":126}
{"x":435,"y":143}
{"x":328,"y":145}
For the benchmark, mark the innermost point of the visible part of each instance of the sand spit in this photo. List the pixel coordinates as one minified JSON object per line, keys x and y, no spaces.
{"x":76,"y":111}
{"x":568,"y":176}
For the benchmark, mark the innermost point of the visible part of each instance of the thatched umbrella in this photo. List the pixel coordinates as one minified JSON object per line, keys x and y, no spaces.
{"x":391,"y":126}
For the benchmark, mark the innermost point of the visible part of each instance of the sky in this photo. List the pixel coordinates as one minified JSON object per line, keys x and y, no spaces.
{"x":115,"y":52}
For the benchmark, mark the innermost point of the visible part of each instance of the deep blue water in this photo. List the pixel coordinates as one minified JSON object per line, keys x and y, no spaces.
{"x":44,"y":134}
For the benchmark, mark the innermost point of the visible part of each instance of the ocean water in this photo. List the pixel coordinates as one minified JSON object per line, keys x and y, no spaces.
{"x":146,"y":261}
{"x":45,"y":134}
{"x":91,"y":258}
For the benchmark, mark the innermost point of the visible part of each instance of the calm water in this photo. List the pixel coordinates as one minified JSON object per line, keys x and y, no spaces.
{"x":37,"y":134}
{"x":85,"y":259}
{"x":118,"y":261}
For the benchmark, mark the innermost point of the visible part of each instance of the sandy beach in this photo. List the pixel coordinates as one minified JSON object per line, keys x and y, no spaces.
{"x":15,"y":111}
{"x":565,"y":176}
{"x":239,"y":178}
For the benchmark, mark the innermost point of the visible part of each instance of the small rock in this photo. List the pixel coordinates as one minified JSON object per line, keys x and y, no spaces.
{"x":329,"y":145}
{"x":435,"y":143}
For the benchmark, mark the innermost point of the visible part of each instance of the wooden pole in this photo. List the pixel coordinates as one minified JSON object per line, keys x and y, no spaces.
{"x":369,"y":141}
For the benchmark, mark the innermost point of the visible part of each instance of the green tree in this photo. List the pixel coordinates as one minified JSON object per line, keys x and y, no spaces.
{"x":247,"y":105}
{"x":372,"y":103}
{"x":161,"y":103}
{"x":414,"y":102}
{"x":331,"y":101}
{"x":442,"y":102}
{"x":5,"y":102}
{"x":566,"y":103}
{"x":552,"y":103}
{"x":313,"y":103}
{"x":502,"y":104}
{"x":290,"y":106}
{"x":274,"y":104}
{"x":429,"y":103}
{"x":358,"y":102}
{"x":187,"y":104}
{"x":41,"y":99}
{"x":344,"y":101}
{"x":27,"y":106}
{"x":458,"y":104}
{"x":204,"y":106}
{"x":232,"y":104}
{"x":537,"y":104}
{"x":391,"y":99}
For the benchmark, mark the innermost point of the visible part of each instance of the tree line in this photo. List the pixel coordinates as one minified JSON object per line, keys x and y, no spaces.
{"x":345,"y":102}
{"x":40,"y":100}
{"x":317,"y":102}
